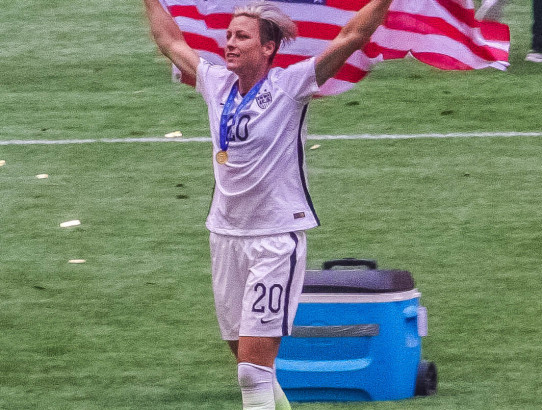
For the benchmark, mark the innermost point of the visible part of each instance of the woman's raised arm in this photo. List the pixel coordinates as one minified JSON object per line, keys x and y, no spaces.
{"x":353,"y":36}
{"x":170,"y":39}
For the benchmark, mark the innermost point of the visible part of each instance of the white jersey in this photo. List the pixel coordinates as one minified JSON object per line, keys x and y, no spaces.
{"x":262,"y":189}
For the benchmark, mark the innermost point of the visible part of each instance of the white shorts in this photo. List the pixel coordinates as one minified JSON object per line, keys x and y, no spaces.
{"x":257,"y":282}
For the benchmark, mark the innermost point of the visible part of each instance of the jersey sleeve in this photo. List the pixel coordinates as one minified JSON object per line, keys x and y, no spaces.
{"x":298,"y":81}
{"x":210,"y":78}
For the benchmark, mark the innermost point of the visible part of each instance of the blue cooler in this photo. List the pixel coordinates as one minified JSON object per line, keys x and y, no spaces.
{"x":356,"y":337}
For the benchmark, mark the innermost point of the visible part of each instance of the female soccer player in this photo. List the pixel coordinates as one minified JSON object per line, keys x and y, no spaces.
{"x":261,"y":205}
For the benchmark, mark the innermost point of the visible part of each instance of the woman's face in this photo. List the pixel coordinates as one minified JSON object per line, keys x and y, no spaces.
{"x":244,"y":50}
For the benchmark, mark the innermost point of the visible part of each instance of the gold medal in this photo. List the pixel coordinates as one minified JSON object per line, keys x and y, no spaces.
{"x":222,"y":157}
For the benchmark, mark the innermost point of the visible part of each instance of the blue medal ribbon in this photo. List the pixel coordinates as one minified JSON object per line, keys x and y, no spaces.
{"x":224,"y":142}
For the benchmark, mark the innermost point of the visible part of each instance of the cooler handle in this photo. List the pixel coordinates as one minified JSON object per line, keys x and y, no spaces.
{"x":336,"y":331}
{"x":371,"y":264}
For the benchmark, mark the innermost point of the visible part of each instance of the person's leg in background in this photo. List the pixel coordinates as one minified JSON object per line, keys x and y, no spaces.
{"x":535,"y":55}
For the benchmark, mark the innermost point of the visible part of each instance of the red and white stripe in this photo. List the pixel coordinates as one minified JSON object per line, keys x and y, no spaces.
{"x":441,"y":33}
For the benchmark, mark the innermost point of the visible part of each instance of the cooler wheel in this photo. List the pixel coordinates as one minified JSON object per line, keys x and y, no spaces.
{"x":426,"y":381}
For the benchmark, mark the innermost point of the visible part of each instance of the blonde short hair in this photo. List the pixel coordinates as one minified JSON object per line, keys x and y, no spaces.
{"x":274,"y":24}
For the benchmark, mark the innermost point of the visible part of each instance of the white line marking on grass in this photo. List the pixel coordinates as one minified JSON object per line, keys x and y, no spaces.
{"x":429,"y":135}
{"x":311,"y":137}
{"x":106,"y":140}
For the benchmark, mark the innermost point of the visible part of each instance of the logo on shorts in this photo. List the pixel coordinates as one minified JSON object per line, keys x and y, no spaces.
{"x":299,"y":215}
{"x":265,"y":321}
{"x":264,"y":100}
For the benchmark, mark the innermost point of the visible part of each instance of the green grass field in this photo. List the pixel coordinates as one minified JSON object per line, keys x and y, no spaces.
{"x":134,"y":326}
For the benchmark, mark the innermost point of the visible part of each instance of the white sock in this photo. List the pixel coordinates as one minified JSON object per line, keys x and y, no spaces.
{"x":256,"y":384}
{"x":281,"y":401}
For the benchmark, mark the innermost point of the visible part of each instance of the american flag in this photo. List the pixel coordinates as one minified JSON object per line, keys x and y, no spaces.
{"x":442,"y":33}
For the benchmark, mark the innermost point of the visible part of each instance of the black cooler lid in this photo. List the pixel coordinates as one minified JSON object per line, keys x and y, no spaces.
{"x":369,"y":280}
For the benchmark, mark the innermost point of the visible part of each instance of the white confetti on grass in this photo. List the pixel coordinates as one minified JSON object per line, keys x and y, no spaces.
{"x":68,"y":224}
{"x":174,"y":134}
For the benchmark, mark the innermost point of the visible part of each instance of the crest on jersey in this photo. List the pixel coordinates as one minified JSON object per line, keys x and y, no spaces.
{"x":264,"y":100}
